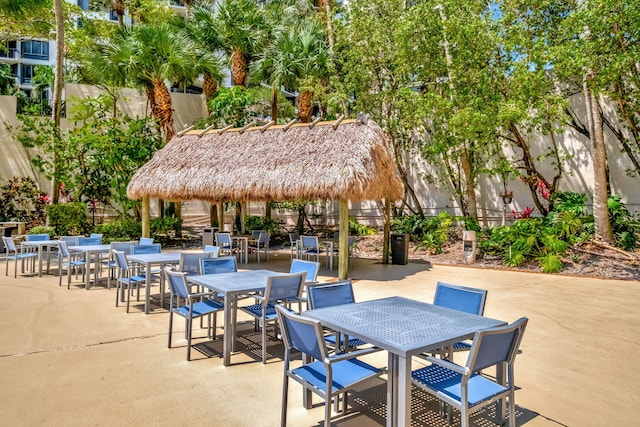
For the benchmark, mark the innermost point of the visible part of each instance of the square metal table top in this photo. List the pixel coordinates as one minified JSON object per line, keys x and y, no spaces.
{"x":159,"y":258}
{"x":235,"y":283}
{"x":90,"y":248}
{"x":402,"y":326}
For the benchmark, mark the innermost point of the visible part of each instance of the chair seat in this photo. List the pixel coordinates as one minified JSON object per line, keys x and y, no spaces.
{"x":201,"y":308}
{"x":132,"y":279}
{"x":256,"y":310}
{"x":22,"y":256}
{"x":445,"y":381}
{"x":74,"y":263}
{"x":346,"y":373}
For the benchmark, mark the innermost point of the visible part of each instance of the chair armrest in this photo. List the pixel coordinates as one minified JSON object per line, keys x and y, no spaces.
{"x":449,"y":365}
{"x":202,"y":294}
{"x":352,"y":354}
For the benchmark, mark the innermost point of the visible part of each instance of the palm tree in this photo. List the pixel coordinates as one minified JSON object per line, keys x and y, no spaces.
{"x":201,"y":29}
{"x":297,"y":58}
{"x":162,"y":53}
{"x":242,"y":28}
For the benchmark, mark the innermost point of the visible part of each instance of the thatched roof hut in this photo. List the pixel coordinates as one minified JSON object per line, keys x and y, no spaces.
{"x":351,"y":161}
{"x":343,"y":160}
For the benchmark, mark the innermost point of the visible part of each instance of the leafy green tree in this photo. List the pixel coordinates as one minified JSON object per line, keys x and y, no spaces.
{"x":242,"y":29}
{"x":8,"y":84}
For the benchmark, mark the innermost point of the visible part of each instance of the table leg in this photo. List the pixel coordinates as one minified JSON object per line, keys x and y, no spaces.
{"x":87,"y":276}
{"x":404,"y":391}
{"x":147,"y":290}
{"x":392,"y":390}
{"x":226,"y":345}
{"x":40,"y":249}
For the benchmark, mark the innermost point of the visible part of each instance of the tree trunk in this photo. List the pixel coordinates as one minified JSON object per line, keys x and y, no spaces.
{"x":210,"y":88}
{"x":601,"y":218}
{"x":305,"y":106}
{"x":119,"y":8}
{"x":470,"y":188}
{"x":330,"y":33}
{"x":238,"y":68}
{"x":274,"y":104}
{"x":58,"y":85}
{"x":163,"y":109}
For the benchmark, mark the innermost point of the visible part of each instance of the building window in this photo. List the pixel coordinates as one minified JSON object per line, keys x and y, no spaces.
{"x":9,"y":50}
{"x":28,"y":71}
{"x":14,"y":70}
{"x":84,"y":4}
{"x":35,"y":49}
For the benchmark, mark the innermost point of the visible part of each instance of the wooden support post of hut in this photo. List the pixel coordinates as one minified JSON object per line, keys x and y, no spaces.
{"x":146,"y":217}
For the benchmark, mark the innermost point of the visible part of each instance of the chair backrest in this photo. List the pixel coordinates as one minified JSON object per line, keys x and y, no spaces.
{"x":69,"y":240}
{"x":126,"y":247}
{"x":145,"y":241}
{"x":64,"y":250}
{"x":96,"y":236}
{"x":496,"y":345}
{"x":309,"y":242}
{"x":309,"y":267}
{"x":256,"y":233}
{"x":37,"y":237}
{"x":293,"y":238}
{"x":223,"y":264}
{"x":154,"y":248}
{"x":263,"y":237}
{"x":330,"y":294}
{"x":121,"y":260}
{"x":301,"y":333}
{"x":214,"y":250}
{"x":461,"y":298}
{"x":9,"y":244}
{"x":283,"y":288}
{"x":223,"y":240}
{"x":190,"y":263}
{"x":86,"y":241}
{"x":177,"y":282}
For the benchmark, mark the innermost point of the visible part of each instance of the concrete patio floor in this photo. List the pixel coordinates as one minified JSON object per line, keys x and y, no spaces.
{"x":71,"y":358}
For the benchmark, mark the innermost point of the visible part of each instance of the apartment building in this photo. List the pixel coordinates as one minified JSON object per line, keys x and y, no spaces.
{"x":24,"y":54}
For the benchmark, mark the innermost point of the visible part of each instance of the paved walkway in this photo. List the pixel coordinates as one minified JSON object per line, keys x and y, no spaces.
{"x":70,"y":357}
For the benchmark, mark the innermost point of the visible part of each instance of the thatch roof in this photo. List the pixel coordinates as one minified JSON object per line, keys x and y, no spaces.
{"x":351,"y":161}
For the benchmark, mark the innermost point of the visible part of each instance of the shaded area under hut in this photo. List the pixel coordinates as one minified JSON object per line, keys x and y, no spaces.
{"x":337,"y":160}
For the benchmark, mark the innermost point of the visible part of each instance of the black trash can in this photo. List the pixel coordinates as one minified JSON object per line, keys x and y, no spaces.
{"x":208,"y":235}
{"x":400,"y":249}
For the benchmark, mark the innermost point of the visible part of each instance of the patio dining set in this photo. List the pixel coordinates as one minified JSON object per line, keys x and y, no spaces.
{"x":340,"y":339}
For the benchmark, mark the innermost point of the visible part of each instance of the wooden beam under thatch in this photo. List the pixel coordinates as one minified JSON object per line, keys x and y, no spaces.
{"x":352,"y":161}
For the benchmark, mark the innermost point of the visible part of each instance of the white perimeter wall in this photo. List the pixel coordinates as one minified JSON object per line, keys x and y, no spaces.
{"x":434,"y":198}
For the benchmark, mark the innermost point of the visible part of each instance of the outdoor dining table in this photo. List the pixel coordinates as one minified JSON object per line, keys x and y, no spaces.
{"x":230,"y":285}
{"x":404,"y":327}
{"x":148,"y":261}
{"x":40,"y":246}
{"x":91,"y":254}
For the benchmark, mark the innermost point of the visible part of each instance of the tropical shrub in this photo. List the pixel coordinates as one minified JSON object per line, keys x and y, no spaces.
{"x":254,"y":222}
{"x":21,"y":200}
{"x":119,"y":230}
{"x":357,"y":229}
{"x":42,"y":229}
{"x":68,"y":219}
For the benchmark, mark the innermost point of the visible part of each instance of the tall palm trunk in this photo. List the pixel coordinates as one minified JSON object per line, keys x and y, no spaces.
{"x":210,"y":88}
{"x":119,"y":8}
{"x":305,"y":106}
{"x":238,"y":68}
{"x":163,"y":108}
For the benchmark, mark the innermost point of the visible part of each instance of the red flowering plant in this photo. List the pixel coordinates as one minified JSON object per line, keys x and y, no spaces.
{"x":526,"y":213}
